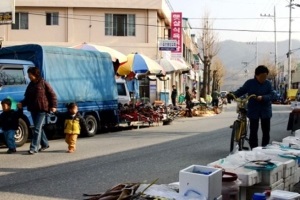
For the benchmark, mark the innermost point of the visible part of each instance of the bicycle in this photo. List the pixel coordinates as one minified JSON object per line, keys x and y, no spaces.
{"x":240,"y":125}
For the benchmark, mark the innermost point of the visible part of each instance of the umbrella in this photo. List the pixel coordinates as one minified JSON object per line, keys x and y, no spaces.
{"x":115,"y":55}
{"x":139,"y":63}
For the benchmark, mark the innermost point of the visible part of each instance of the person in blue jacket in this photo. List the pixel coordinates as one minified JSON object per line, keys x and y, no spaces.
{"x":259,"y":107}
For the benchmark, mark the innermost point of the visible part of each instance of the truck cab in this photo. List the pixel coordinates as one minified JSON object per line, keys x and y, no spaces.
{"x":123,"y":93}
{"x":13,"y":83}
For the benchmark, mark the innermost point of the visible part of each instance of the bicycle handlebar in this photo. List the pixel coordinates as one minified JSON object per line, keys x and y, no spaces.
{"x":237,"y":99}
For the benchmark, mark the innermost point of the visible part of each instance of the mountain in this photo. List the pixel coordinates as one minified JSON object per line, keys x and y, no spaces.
{"x":239,"y":58}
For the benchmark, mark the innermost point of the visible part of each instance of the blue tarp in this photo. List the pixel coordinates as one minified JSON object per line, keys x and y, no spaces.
{"x":75,"y":75}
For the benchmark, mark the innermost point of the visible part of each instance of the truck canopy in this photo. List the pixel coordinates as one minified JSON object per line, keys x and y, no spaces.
{"x":75,"y":75}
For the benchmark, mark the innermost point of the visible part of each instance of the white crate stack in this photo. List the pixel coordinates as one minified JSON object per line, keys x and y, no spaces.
{"x":248,"y":177}
{"x":289,"y":166}
{"x":283,"y":177}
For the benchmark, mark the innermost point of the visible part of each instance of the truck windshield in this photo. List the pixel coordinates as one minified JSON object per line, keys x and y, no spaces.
{"x":11,"y":75}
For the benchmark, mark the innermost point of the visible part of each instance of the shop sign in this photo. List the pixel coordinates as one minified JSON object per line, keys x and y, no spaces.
{"x":167,"y":45}
{"x":7,"y":11}
{"x":176,"y":30}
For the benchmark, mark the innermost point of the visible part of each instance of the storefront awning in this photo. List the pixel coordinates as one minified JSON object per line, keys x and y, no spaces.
{"x":180,"y":65}
{"x":192,"y":75}
{"x":171,"y":66}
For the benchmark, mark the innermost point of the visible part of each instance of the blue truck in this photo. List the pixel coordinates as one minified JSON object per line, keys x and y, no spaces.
{"x":84,"y":77}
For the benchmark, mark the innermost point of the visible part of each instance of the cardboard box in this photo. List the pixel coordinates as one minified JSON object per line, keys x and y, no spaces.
{"x":201,"y":179}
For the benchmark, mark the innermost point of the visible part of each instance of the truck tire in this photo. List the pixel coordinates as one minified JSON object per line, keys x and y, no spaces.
{"x":21,"y":135}
{"x":91,"y":125}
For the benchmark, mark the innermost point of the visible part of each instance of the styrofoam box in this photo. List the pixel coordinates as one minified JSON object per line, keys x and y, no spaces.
{"x":289,"y":165}
{"x":291,"y":140}
{"x":209,"y":185}
{"x":297,"y":175}
{"x":268,"y":177}
{"x":295,"y":104}
{"x":288,"y":183}
{"x":246,"y":193}
{"x":297,"y":133}
{"x":248,"y":177}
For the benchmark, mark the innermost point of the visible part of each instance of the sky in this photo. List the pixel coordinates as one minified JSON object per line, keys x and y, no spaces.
{"x":241,"y":20}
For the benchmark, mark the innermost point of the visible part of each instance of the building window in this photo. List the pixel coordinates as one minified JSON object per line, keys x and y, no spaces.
{"x":120,"y":25}
{"x":21,"y":21}
{"x":52,"y":18}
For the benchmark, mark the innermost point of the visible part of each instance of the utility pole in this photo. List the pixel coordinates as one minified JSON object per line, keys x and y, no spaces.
{"x":275,"y":36}
{"x":256,"y":50}
{"x":289,"y":52}
{"x":289,"y":78}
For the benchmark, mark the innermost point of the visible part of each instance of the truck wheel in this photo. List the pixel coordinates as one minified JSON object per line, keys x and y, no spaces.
{"x":91,"y":125}
{"x":21,"y":135}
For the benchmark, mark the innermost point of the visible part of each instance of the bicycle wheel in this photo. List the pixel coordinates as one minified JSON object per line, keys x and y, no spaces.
{"x":235,"y":136}
{"x":244,"y":137}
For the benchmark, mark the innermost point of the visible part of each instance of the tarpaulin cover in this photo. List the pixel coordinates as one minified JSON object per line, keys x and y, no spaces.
{"x":75,"y":75}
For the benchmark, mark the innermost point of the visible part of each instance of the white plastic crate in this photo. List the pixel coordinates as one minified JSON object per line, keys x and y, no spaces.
{"x":248,"y":177}
{"x":201,"y":179}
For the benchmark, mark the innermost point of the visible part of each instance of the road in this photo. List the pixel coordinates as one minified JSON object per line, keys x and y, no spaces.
{"x":139,"y":155}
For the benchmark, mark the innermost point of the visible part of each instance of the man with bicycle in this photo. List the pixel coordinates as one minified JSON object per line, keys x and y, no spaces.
{"x":259,"y":107}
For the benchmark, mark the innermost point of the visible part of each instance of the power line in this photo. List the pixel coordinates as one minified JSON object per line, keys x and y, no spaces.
{"x":147,"y":25}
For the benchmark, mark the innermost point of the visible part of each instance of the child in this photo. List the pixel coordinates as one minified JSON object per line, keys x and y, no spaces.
{"x":73,"y":124}
{"x":9,"y":122}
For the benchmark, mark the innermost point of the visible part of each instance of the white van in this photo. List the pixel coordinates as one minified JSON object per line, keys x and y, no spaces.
{"x":123,"y":92}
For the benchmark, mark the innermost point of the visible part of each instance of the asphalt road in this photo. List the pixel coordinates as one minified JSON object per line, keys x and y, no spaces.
{"x":139,"y":155}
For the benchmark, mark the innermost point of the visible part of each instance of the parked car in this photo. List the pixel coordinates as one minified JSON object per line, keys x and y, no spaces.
{"x":277,"y":97}
{"x":223,"y":94}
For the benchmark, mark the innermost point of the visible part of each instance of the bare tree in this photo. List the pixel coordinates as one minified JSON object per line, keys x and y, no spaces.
{"x":218,"y":74}
{"x":207,"y":50}
{"x":273,"y":71}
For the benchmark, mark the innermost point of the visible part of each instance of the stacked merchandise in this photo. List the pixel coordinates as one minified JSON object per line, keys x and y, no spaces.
{"x":259,"y":171}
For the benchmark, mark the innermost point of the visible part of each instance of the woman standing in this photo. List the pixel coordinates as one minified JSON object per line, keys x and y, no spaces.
{"x":39,"y":99}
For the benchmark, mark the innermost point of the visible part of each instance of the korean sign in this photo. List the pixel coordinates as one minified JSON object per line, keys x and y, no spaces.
{"x":176,"y":30}
{"x":167,"y":45}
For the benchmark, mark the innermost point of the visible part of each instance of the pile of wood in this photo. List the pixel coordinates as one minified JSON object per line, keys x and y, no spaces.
{"x":202,"y":111}
{"x":125,"y":191}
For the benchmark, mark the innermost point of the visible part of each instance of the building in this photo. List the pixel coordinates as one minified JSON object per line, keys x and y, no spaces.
{"x":127,"y":26}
